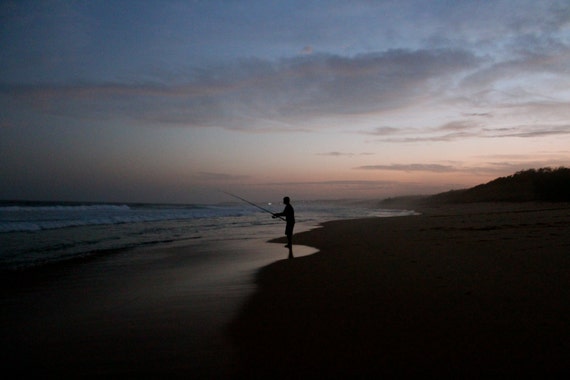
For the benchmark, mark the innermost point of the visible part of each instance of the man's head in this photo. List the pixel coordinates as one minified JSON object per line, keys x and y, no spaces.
{"x":286,"y":200}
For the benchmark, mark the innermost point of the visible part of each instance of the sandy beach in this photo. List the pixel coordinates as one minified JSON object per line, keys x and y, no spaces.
{"x":474,"y":291}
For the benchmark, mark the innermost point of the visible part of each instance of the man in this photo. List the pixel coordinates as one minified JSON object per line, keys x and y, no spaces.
{"x":289,"y":215}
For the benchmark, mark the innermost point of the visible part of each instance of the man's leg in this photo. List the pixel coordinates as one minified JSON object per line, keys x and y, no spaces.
{"x":289,"y":240}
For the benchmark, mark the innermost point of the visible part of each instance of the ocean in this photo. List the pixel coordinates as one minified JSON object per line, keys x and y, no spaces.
{"x":100,"y":289}
{"x":35,"y":234}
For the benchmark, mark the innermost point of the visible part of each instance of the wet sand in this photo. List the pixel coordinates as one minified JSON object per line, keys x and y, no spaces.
{"x":470,"y":291}
{"x":157,"y":312}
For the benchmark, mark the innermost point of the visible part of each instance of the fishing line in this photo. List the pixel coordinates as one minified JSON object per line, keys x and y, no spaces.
{"x":253,"y":204}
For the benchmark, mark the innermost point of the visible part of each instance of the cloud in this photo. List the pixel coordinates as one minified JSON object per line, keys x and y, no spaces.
{"x":468,"y":129}
{"x":209,"y":176}
{"x":510,"y":163}
{"x":529,"y":65}
{"x":533,"y":131}
{"x":343,"y":154}
{"x":336,"y":154}
{"x":478,"y":114}
{"x":257,"y":94}
{"x":383,"y":131}
{"x":336,"y":182}
{"x":457,"y":126}
{"x":307,"y":91}
{"x":497,"y":165}
{"x":338,"y":186}
{"x":411,"y":168}
{"x":450,"y":131}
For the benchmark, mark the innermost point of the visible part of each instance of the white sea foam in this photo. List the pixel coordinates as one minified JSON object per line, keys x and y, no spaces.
{"x":35,"y":218}
{"x":35,"y":234}
{"x":35,"y":209}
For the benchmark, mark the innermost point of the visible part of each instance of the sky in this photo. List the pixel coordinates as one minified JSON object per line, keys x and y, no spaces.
{"x":178,"y":101}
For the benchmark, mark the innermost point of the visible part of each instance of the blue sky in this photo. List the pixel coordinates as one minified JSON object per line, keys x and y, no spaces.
{"x":173,"y":101}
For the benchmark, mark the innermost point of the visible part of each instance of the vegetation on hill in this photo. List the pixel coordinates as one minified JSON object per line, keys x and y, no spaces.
{"x":545,"y":184}
{"x":539,"y":185}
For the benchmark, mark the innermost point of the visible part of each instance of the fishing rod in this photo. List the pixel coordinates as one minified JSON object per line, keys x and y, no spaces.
{"x":253,"y":204}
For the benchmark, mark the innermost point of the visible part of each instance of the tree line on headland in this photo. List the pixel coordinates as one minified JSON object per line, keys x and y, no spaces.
{"x":538,"y":185}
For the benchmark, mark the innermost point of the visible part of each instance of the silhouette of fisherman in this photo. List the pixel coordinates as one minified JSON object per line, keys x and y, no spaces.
{"x":289,"y":215}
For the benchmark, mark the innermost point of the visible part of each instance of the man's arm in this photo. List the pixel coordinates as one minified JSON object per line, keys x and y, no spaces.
{"x":278,"y":214}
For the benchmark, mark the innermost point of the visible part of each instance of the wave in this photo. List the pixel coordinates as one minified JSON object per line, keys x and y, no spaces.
{"x":101,"y":207}
{"x":26,"y":218}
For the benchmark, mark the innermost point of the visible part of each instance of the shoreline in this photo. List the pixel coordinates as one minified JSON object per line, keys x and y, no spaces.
{"x":148,"y":311}
{"x":461,"y":290}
